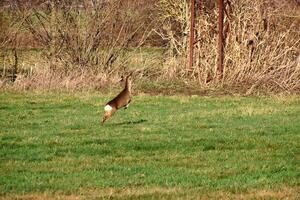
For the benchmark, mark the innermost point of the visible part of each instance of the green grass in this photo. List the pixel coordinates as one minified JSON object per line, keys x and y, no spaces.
{"x":161,"y":147}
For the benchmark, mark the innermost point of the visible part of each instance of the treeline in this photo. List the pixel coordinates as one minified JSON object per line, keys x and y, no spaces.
{"x":30,"y":20}
{"x":92,"y":37}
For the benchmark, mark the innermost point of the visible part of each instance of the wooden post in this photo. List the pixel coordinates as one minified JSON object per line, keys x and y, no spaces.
{"x":220,"y":66}
{"x":4,"y":69}
{"x":198,"y":29}
{"x":15,"y":66}
{"x":192,"y":36}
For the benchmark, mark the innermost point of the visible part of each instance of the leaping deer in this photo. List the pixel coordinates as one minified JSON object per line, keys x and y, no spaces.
{"x":121,"y":100}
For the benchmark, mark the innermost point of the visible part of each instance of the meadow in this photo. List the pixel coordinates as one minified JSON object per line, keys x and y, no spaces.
{"x":162,"y":147}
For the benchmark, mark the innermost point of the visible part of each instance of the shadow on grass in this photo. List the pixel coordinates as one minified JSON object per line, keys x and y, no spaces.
{"x":128,"y":122}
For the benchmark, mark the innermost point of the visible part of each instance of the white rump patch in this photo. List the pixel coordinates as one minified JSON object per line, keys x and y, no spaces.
{"x":107,"y":108}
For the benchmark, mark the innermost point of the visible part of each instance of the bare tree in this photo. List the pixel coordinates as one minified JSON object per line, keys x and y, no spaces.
{"x":84,"y":34}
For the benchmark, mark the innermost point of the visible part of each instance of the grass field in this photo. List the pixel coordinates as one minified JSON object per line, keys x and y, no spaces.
{"x":176,"y":147}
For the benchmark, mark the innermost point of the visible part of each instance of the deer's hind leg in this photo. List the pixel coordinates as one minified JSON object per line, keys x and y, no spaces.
{"x":109,"y":111}
{"x":105,"y":117}
{"x":126,"y":106}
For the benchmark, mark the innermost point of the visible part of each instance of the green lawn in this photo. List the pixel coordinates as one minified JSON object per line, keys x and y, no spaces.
{"x":178,"y":147}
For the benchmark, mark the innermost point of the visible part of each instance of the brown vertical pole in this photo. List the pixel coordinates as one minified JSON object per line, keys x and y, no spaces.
{"x":198,"y":29}
{"x":15,"y":69}
{"x":192,"y":36}
{"x":220,"y":67}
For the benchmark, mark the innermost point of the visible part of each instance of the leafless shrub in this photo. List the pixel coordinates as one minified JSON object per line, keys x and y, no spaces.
{"x":261,"y":52}
{"x":76,"y":36}
{"x":85,"y":43}
{"x":263,"y":48}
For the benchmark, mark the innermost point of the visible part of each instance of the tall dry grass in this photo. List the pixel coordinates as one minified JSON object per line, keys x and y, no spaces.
{"x":77,"y":80}
{"x":262,"y":51}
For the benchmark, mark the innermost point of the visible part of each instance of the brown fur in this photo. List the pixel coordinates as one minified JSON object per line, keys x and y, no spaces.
{"x":120,"y":101}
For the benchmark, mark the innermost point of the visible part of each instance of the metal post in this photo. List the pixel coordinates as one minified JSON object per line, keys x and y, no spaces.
{"x":192,"y":37}
{"x":15,"y":66}
{"x":198,"y":29}
{"x":220,"y":67}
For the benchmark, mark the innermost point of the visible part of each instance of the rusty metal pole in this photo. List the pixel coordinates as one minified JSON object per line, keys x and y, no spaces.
{"x":192,"y":36}
{"x":220,"y":66}
{"x":198,"y":30}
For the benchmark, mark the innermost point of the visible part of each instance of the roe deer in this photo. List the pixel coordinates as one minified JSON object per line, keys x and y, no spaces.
{"x":121,"y":100}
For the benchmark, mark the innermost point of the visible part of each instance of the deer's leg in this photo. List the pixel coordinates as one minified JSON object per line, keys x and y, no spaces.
{"x":108,"y":113}
{"x":127,"y":104}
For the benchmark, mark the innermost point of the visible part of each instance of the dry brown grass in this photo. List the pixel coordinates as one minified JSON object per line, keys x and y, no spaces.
{"x":44,"y":79}
{"x":262,"y":49}
{"x":262,"y":55}
{"x":162,"y":193}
